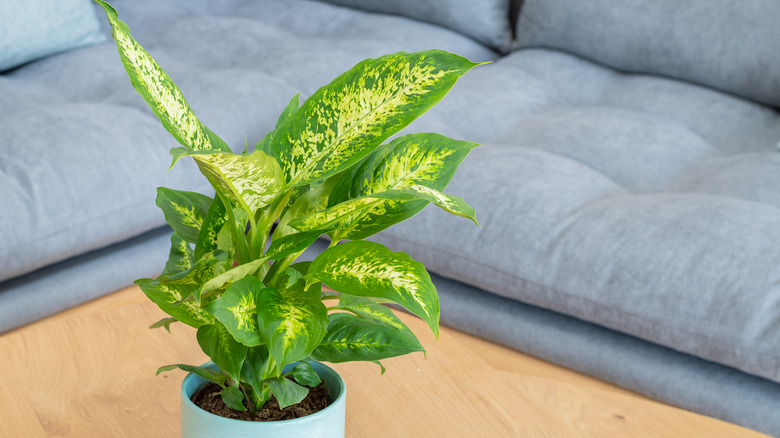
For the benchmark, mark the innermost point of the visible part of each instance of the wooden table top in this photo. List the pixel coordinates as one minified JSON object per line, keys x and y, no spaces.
{"x":90,"y":372}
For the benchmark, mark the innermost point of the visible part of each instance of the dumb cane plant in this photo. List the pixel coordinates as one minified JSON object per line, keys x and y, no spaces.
{"x":324,"y":169}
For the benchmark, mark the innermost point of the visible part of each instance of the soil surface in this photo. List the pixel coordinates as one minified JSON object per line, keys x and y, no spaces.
{"x":209,"y":399}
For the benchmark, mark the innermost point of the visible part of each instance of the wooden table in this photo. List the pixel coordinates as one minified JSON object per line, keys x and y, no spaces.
{"x":89,"y":372}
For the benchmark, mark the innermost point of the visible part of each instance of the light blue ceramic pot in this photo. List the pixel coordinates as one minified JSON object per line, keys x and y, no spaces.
{"x":327,"y":423}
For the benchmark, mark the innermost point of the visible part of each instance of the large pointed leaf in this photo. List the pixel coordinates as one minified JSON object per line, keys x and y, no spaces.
{"x":353,"y":338}
{"x":216,"y":216}
{"x":257,"y":367}
{"x":230,"y":276}
{"x":291,"y":325}
{"x":219,"y":345}
{"x":250,"y":181}
{"x":449,"y":203}
{"x":171,"y":299}
{"x":369,"y":269}
{"x":180,"y":257}
{"x":200,"y":272}
{"x":158,"y":90}
{"x":367,"y":308}
{"x":291,"y":244}
{"x":340,"y":216}
{"x":428,"y":160}
{"x":236,"y":309}
{"x":265,"y":144}
{"x":345,"y":120}
{"x":184,"y":211}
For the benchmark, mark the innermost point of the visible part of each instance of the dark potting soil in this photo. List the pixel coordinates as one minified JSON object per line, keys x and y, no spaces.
{"x":209,"y":399}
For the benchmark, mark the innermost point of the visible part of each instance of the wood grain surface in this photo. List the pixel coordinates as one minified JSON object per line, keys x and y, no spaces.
{"x":89,"y":372}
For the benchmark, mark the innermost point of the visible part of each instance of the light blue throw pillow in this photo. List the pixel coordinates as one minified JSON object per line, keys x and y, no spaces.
{"x":32,"y":29}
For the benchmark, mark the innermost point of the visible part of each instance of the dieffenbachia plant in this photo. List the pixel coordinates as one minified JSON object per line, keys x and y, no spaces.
{"x":323,"y":170}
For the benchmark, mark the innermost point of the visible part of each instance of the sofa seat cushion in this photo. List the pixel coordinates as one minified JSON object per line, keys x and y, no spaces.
{"x":724,"y":44}
{"x":643,"y":204}
{"x":83,"y":154}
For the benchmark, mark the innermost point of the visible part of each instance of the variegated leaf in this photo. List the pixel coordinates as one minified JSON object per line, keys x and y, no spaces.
{"x":345,"y":120}
{"x":428,"y":160}
{"x":291,"y":244}
{"x":184,"y":211}
{"x":265,"y":144}
{"x":219,"y":345}
{"x":291,"y":325}
{"x":231,"y":275}
{"x":158,"y":90}
{"x":216,"y":216}
{"x":236,"y":309}
{"x":368,"y":269}
{"x":180,"y":258}
{"x":203,"y":270}
{"x":352,"y":338}
{"x":339,"y":216}
{"x":449,"y":203}
{"x":250,"y":181}
{"x":367,"y":308}
{"x":171,"y":298}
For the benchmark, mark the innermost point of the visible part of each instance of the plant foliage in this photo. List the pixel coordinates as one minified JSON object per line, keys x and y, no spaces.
{"x":324,"y":169}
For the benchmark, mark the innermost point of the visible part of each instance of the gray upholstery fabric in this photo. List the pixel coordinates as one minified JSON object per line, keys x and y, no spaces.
{"x":642,"y":204}
{"x":728,"y":45}
{"x":487,"y":21}
{"x":82,"y":153}
{"x":660,"y":373}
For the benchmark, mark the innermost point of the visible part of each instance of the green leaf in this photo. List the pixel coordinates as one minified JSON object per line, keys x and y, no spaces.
{"x":233,"y":398}
{"x":158,"y":90}
{"x":219,"y":345}
{"x":200,"y":272}
{"x":339,"y":216}
{"x":291,"y":325}
{"x":449,"y":203}
{"x":345,"y":120}
{"x":250,"y":181}
{"x":428,"y":160}
{"x":353,"y":338}
{"x":291,"y":244}
{"x":171,"y":298}
{"x":165,"y":322}
{"x":382,"y":368}
{"x":209,"y":230}
{"x":229,"y":276}
{"x":206,"y":373}
{"x":368,"y":269}
{"x":305,"y":375}
{"x":265,"y":144}
{"x":367,"y":308}
{"x":184,"y":211}
{"x":236,"y":309}
{"x":286,"y":391}
{"x":258,"y":366}
{"x":180,"y":258}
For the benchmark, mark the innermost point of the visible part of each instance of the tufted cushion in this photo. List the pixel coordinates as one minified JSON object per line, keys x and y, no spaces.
{"x":32,"y":29}
{"x":487,"y":21}
{"x":642,"y":204}
{"x":82,"y":153}
{"x":728,"y":45}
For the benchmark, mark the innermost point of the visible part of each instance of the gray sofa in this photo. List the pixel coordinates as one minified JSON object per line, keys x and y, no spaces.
{"x":628,"y":182}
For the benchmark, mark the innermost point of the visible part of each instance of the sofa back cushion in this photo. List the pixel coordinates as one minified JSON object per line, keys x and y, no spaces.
{"x":486,"y":21}
{"x":33,"y":29}
{"x":732,"y":46}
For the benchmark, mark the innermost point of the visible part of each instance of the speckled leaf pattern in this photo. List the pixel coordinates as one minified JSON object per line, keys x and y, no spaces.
{"x":428,"y":160}
{"x":369,"y":309}
{"x":231,"y":275}
{"x":171,"y":299}
{"x":184,"y":211}
{"x":201,"y":271}
{"x":250,"y":181}
{"x":220,"y":347}
{"x":352,"y":338}
{"x":369,"y":269}
{"x":290,"y":325}
{"x":215,"y":218}
{"x":449,"y":203}
{"x":339,"y":216}
{"x":180,"y":257}
{"x":345,"y":120}
{"x":159,"y":91}
{"x":291,"y":244}
{"x":236,"y":309}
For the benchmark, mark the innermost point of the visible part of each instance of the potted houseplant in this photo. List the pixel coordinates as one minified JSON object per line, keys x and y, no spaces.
{"x":263,"y":319}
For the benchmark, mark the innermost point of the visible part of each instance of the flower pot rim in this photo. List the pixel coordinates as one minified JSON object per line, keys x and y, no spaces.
{"x":301,"y":420}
